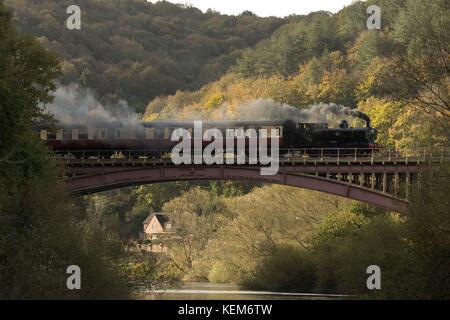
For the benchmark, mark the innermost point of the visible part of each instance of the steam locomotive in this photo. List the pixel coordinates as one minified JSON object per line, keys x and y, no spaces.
{"x":155,"y":137}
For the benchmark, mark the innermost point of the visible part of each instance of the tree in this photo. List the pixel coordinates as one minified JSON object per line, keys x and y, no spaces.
{"x":267,"y":224}
{"x":423,"y":58}
{"x":402,"y":125}
{"x":428,"y":228}
{"x":27,"y":72}
{"x":41,"y":230}
{"x":193,"y":217}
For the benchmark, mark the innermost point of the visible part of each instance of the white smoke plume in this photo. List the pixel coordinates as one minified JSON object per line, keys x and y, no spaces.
{"x":267,"y":109}
{"x":73,"y":105}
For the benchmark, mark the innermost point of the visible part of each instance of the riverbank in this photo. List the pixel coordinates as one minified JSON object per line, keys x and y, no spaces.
{"x":223,"y":291}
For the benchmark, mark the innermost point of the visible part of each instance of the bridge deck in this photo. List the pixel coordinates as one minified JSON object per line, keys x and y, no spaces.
{"x":293,"y":157}
{"x":384,"y":178}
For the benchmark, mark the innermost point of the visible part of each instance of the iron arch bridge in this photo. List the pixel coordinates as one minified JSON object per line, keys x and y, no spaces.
{"x":383,"y":178}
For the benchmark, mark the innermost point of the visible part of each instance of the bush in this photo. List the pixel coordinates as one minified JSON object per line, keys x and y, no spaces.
{"x":222,"y":272}
{"x":287,"y":269}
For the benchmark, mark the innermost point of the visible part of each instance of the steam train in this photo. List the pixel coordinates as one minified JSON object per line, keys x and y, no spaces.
{"x":154,"y":137}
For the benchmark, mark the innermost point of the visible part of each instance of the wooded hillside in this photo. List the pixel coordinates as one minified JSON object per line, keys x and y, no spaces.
{"x":399,"y":74}
{"x":137,"y":50}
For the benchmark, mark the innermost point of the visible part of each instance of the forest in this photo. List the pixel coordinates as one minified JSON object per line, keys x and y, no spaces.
{"x":135,"y":50}
{"x":175,"y":62}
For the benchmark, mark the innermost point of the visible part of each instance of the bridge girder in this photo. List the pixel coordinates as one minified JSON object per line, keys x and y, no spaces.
{"x":97,"y":180}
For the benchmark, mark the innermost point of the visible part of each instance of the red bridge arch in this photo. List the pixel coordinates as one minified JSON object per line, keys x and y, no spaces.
{"x":115,"y":178}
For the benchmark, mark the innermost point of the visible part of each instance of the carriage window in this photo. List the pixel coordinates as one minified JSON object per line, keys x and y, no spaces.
{"x":83,"y":134}
{"x":229,"y":133}
{"x":276,"y":132}
{"x":252,"y":132}
{"x":100,"y":134}
{"x":67,"y":134}
{"x":239,"y":133}
{"x":119,"y":133}
{"x":223,"y":131}
{"x":51,"y":135}
{"x":263,"y":132}
{"x":168,"y":133}
{"x":220,"y":131}
{"x":159,"y":133}
{"x":149,"y":133}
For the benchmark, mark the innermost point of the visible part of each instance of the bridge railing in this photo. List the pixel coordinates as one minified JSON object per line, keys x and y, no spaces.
{"x":371,"y":155}
{"x":292,"y":155}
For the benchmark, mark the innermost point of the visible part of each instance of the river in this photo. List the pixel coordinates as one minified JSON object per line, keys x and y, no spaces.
{"x":221,"y":291}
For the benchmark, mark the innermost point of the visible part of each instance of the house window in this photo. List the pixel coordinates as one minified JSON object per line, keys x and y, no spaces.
{"x":168,"y":226}
{"x":153,"y":227}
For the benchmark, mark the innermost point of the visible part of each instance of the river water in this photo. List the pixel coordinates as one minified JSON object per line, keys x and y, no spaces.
{"x":220,"y":291}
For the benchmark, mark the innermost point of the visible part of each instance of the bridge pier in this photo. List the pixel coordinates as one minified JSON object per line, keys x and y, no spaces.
{"x":396,"y":183}
{"x":407,"y":185}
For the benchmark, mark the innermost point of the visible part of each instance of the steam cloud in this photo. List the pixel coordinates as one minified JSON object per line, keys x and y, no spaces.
{"x":73,"y":105}
{"x":267,"y":109}
{"x":78,"y":106}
